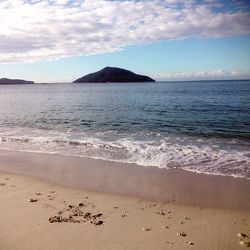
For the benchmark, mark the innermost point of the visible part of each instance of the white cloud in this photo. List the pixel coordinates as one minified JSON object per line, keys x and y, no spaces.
{"x":33,"y":30}
{"x":203,"y":75}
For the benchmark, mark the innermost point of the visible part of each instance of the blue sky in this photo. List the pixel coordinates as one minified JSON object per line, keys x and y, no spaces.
{"x":61,"y":40}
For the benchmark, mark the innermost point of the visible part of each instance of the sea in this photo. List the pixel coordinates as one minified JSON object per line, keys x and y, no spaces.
{"x":199,"y":126}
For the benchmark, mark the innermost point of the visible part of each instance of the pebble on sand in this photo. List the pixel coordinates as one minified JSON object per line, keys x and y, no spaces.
{"x":100,"y":222}
{"x":161,"y":213}
{"x":244,"y":243}
{"x":32,"y":200}
{"x":182,"y":234}
{"x":242,"y":235}
{"x":146,"y":229}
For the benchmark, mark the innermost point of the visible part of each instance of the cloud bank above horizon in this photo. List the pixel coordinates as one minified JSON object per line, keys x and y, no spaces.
{"x":203,"y":75}
{"x":38,"y":30}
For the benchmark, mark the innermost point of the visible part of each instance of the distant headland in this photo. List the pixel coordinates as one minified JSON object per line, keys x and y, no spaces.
{"x":112,"y":74}
{"x":14,"y":81}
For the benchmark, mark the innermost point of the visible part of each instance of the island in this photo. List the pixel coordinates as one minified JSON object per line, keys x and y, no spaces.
{"x":113,"y":74}
{"x":14,"y":81}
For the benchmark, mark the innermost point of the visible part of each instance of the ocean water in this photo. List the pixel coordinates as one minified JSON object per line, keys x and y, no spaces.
{"x":196,"y":126}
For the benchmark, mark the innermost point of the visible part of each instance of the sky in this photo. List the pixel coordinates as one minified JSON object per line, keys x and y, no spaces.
{"x":62,"y":40}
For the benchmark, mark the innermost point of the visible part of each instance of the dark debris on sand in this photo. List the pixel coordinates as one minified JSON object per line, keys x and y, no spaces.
{"x":76,"y":214}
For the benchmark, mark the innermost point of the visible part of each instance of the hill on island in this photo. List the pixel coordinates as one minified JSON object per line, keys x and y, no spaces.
{"x":112,"y":74}
{"x":14,"y":81}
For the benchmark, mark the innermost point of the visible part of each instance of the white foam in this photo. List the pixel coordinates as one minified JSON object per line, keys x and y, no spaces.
{"x":211,"y":156}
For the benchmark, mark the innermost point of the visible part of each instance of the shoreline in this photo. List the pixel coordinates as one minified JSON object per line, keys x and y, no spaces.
{"x":116,"y":206}
{"x":126,"y":163}
{"x":147,"y":183}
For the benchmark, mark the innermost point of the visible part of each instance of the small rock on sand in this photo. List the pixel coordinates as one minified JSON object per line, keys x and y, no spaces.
{"x":100,"y":222}
{"x":161,"y":213}
{"x":190,"y":243}
{"x":242,"y":235}
{"x":182,"y":234}
{"x":244,"y":243}
{"x":164,"y":226}
{"x":32,"y":200}
{"x":146,"y":229}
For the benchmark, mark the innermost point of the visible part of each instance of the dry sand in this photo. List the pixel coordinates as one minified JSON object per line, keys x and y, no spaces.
{"x":69,"y":218}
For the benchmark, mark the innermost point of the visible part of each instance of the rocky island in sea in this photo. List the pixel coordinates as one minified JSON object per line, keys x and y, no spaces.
{"x":112,"y":74}
{"x":14,"y":81}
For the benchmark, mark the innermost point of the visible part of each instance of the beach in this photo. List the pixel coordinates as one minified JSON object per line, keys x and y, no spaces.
{"x":124,"y":125}
{"x":56,"y":202}
{"x":125,"y":166}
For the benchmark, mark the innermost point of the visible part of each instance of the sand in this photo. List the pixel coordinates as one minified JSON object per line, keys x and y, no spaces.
{"x":41,"y":212}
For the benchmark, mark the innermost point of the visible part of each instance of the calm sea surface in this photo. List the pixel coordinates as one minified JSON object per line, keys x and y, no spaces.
{"x":197,"y":126}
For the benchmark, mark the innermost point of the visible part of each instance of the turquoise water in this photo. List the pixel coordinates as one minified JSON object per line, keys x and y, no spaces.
{"x":197,"y":126}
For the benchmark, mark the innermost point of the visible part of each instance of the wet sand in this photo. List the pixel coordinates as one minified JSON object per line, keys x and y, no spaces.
{"x":79,"y":203}
{"x":178,"y":186}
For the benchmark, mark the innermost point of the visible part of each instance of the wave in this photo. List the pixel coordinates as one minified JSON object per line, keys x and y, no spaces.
{"x":210,"y":156}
